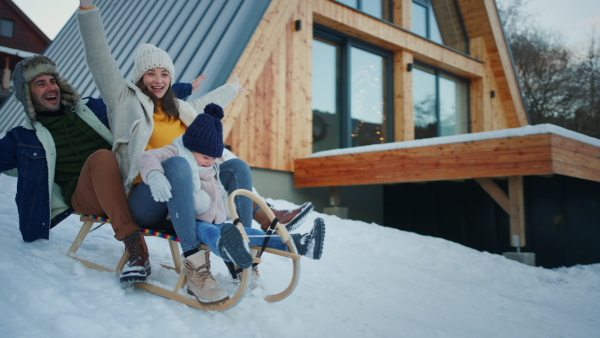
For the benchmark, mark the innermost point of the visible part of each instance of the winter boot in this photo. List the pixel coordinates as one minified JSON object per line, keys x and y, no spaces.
{"x":291,"y":219}
{"x":311,"y":244}
{"x":232,"y":247}
{"x":200,"y":282}
{"x":137,"y":267}
{"x":255,"y":275}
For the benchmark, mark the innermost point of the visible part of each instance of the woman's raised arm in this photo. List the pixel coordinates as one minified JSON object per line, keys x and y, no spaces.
{"x":104,"y":68}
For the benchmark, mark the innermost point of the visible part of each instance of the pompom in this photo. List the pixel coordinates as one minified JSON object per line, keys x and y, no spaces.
{"x":214,"y":110}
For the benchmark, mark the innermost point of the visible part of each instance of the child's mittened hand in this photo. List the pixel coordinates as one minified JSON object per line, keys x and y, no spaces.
{"x":159,"y":186}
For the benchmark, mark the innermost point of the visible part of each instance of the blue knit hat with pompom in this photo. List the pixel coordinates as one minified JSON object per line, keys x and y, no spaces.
{"x":205,"y":134}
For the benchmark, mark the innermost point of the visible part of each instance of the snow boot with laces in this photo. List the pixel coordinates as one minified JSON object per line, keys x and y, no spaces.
{"x":137,"y":267}
{"x":200,"y":281}
{"x":311,"y":244}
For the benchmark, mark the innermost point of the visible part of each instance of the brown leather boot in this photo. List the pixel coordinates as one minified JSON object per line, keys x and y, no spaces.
{"x":137,"y":267}
{"x":291,"y":219}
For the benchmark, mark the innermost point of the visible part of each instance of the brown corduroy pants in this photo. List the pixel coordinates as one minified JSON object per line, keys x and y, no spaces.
{"x":100,"y":192}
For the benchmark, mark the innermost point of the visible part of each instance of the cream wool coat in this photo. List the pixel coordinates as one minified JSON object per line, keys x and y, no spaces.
{"x":129,"y":110}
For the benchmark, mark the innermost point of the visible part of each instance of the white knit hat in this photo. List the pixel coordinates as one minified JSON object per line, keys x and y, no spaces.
{"x":149,"y":56}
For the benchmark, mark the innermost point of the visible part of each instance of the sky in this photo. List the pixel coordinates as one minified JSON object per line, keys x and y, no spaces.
{"x":372,"y":281}
{"x":573,"y":19}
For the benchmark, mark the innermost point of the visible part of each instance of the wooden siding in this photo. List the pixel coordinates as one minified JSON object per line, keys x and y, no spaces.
{"x":512,"y":156}
{"x":481,"y":20}
{"x":270,"y":126}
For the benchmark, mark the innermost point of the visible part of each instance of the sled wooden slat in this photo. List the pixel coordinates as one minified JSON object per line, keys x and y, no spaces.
{"x":193,"y":302}
{"x":89,"y":220}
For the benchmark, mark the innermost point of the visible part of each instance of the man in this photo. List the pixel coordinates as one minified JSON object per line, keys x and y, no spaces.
{"x":64,"y":163}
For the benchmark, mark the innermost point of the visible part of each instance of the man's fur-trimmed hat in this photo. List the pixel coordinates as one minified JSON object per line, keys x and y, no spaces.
{"x":30,"y":68}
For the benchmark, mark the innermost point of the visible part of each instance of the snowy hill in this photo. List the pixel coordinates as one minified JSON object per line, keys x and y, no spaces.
{"x":373,"y":281}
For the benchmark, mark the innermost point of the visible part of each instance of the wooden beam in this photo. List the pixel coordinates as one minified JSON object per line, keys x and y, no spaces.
{"x":517,"y":211}
{"x":404,"y":129}
{"x":401,"y":13}
{"x":495,"y":192}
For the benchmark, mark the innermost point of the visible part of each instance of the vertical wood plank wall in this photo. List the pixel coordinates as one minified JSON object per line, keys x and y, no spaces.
{"x":270,"y":125}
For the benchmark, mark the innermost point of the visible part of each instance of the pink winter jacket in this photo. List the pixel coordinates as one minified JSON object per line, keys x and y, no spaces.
{"x":209,"y":194}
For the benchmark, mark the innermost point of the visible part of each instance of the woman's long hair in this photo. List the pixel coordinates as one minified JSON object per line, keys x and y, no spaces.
{"x":168,"y":102}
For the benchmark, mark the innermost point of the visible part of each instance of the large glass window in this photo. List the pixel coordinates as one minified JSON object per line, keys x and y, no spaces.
{"x":325,"y":96}
{"x":7,"y":28}
{"x":439,"y":21}
{"x":367,"y":100}
{"x":351,"y":92}
{"x":440,"y":103}
{"x":378,"y":8}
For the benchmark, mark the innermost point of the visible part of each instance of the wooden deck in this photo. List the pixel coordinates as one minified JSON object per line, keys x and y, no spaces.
{"x":539,"y":154}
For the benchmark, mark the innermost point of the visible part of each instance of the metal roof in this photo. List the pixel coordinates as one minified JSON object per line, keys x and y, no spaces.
{"x":201,"y":36}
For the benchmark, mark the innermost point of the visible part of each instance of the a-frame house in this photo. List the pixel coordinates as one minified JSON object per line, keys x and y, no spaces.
{"x":405,"y":113}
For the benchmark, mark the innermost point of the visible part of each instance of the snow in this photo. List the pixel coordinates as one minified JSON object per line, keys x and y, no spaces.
{"x":372,"y":281}
{"x":487,"y":135}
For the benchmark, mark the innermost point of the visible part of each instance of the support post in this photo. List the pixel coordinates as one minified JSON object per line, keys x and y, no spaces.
{"x":335,"y":201}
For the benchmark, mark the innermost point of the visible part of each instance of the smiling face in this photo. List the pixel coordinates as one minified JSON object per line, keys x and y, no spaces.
{"x":203,"y":160}
{"x":45,"y":93}
{"x":157,"y":80}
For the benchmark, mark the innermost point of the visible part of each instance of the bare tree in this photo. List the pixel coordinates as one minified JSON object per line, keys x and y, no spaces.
{"x":559,"y":86}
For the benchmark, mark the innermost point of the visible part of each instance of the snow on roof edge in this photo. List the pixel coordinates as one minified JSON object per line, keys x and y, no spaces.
{"x":486,"y":135}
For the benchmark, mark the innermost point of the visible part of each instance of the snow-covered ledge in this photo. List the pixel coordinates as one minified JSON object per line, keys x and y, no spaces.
{"x":513,"y":132}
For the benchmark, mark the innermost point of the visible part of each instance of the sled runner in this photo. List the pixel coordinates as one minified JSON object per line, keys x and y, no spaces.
{"x":276,"y":229}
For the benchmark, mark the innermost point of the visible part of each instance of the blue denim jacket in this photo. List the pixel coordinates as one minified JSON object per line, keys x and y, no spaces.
{"x":32,"y":153}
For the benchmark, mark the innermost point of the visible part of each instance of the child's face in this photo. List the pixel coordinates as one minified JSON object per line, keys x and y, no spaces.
{"x":203,"y":160}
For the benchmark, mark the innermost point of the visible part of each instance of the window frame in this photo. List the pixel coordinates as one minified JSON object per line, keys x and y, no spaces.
{"x":437,"y":72}
{"x":346,"y":42}
{"x":429,"y":14}
{"x":390,"y":9}
{"x":12,"y":28}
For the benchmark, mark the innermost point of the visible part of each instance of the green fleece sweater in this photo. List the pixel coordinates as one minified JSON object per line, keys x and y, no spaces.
{"x":75,"y":141}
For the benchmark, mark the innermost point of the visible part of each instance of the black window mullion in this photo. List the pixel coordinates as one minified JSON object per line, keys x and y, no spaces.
{"x":437,"y":103}
{"x":345,"y":114}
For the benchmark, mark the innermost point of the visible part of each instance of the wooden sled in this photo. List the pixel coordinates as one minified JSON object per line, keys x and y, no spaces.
{"x":278,"y":230}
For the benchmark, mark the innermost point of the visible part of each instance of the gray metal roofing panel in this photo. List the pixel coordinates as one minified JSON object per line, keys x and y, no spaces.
{"x":201,"y":36}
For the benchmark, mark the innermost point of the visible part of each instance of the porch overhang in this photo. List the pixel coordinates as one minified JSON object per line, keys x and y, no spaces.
{"x":531,"y":150}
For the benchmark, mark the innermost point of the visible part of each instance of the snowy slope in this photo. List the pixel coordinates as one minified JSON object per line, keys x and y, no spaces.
{"x":372,"y":282}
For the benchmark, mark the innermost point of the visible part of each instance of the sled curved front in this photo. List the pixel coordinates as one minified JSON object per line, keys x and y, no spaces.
{"x":280,"y":231}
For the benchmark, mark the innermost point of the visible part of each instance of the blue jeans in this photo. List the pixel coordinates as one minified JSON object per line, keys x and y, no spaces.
{"x":235,"y":174}
{"x":153,"y":215}
{"x":210,"y":233}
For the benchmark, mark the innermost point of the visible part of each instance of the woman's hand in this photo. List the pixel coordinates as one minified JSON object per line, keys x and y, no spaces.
{"x":237,"y":85}
{"x":196,"y":83}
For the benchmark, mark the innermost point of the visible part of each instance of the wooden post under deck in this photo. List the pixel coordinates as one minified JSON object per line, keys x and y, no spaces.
{"x":512,"y":203}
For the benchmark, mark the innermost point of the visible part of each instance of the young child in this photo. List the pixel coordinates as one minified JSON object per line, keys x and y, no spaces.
{"x":201,"y":145}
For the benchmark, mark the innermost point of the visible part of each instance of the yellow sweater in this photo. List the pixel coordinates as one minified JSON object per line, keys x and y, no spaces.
{"x":165,"y":131}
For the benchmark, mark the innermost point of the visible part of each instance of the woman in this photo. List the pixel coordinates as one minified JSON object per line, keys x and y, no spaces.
{"x":145,"y":115}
